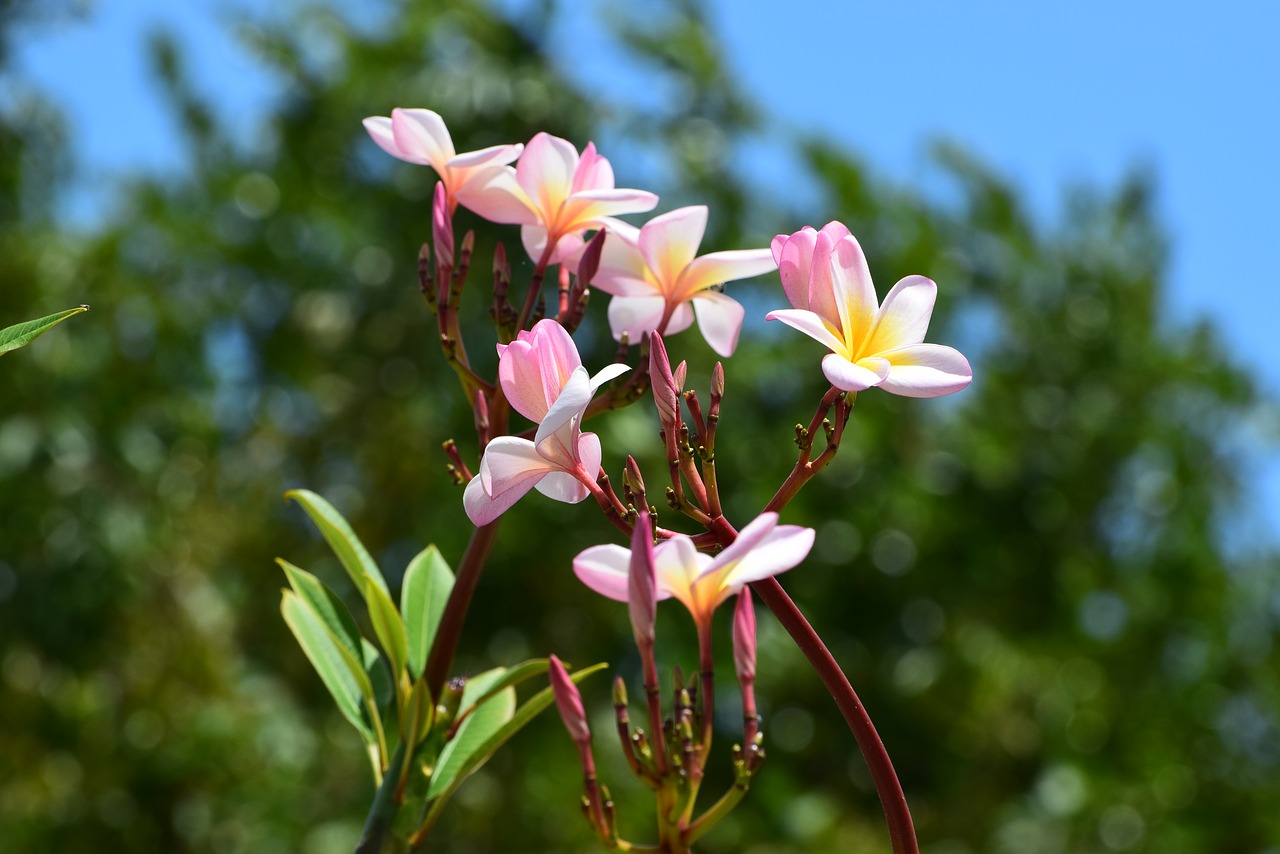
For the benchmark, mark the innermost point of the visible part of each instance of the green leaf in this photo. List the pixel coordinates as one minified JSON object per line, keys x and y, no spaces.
{"x":22,"y":334}
{"x":389,"y":628}
{"x":345,"y":544}
{"x":426,"y":587}
{"x":517,"y":674}
{"x":475,"y":731}
{"x":375,"y":667}
{"x":326,"y":656}
{"x":332,"y":612}
{"x":444,"y":785}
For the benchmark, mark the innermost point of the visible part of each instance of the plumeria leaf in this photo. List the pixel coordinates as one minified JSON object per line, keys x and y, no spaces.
{"x":375,"y":667}
{"x":22,"y":334}
{"x":326,"y":656}
{"x":521,"y":672}
{"x":459,"y":754}
{"x":345,"y":544}
{"x":328,"y":607}
{"x":389,"y":628}
{"x":427,"y":584}
{"x":442,"y":788}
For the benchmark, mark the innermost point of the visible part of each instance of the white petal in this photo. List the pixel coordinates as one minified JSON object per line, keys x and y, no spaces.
{"x":562,"y":486}
{"x":851,"y":288}
{"x":568,"y":407}
{"x":810,"y":324}
{"x":845,"y":375}
{"x":635,"y":316}
{"x":718,"y":267}
{"x":720,"y":319}
{"x":422,"y":133}
{"x":904,"y":315}
{"x":926,"y":370}
{"x":604,"y":569}
{"x":607,"y":373}
{"x":781,"y":549}
{"x":669,"y":242}
{"x":493,"y":193}
{"x":493,"y":155}
{"x":545,"y":171}
{"x":379,"y":128}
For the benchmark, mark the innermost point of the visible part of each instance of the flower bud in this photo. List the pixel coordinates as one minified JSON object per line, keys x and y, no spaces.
{"x":569,"y":702}
{"x":442,"y":227}
{"x":642,"y":584}
{"x":744,"y":637}
{"x":666,"y":391}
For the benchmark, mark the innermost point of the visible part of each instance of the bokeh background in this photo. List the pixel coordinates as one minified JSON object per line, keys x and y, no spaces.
{"x":1057,"y":592}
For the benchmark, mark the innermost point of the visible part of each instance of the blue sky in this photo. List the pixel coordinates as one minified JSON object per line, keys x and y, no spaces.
{"x":1049,"y":94}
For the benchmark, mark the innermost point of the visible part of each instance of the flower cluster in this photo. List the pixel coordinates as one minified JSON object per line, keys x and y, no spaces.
{"x":568,"y":209}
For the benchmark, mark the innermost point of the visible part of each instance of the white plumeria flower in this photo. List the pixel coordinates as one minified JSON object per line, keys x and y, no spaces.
{"x":420,"y":136}
{"x":655,"y":275}
{"x":826,"y":278}
{"x":701,"y":582}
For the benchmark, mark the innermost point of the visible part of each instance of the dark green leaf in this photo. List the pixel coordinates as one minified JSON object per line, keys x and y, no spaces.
{"x":22,"y":334}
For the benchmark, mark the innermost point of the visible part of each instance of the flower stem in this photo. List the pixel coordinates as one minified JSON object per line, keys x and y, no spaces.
{"x":455,"y":610}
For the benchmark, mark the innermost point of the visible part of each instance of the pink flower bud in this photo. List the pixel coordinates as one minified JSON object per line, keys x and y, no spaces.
{"x":569,"y":702}
{"x":442,"y":227}
{"x":744,"y":637}
{"x":642,"y":584}
{"x":666,"y":390}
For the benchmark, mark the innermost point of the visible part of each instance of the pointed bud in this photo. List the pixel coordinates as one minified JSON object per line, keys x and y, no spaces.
{"x":666,"y":391}
{"x":450,"y":700}
{"x":678,"y":375}
{"x":619,"y":692}
{"x":442,"y":227}
{"x":744,"y":637}
{"x":569,"y":702}
{"x":717,"y":382}
{"x":633,"y":477}
{"x":589,"y":263}
{"x":642,"y":584}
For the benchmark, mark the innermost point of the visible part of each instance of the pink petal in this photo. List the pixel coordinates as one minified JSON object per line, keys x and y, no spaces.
{"x":720,"y":319}
{"x":534,"y":238}
{"x":545,"y":171}
{"x":776,"y":247}
{"x":669,"y":242}
{"x":795,"y":257}
{"x":835,"y":230}
{"x":593,"y":172}
{"x":493,"y":193}
{"x":903,"y":318}
{"x":604,"y":569}
{"x":810,"y":324}
{"x":535,"y":367}
{"x":717,"y":267}
{"x":681,"y":319}
{"x":926,"y":370}
{"x":780,"y":549}
{"x":562,"y":486}
{"x":422,"y":133}
{"x":845,"y":375}
{"x":379,"y":128}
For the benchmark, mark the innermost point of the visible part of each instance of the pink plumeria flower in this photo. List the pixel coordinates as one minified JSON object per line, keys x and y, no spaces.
{"x":655,"y":275}
{"x":420,"y":136}
{"x":555,"y":194}
{"x":825,"y":276}
{"x":700,"y":581}
{"x":543,"y":378}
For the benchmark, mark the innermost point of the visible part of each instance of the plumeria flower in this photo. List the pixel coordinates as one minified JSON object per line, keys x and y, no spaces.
{"x":655,"y":275}
{"x":555,"y":194}
{"x":419,"y":136}
{"x":543,"y":378}
{"x":825,"y":276}
{"x":700,"y":581}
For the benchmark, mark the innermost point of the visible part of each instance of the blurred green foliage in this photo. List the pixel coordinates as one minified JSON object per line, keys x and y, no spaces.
{"x":1026,"y":583}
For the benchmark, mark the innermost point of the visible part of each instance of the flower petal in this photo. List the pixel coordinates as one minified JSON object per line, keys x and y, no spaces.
{"x":422,"y":133}
{"x":607,"y":373}
{"x":926,"y":370}
{"x":812,"y":325}
{"x":795,"y":257}
{"x":593,"y":172}
{"x":605,"y":569}
{"x":677,"y":564}
{"x":635,"y":316}
{"x":562,"y":486}
{"x":720,"y":319}
{"x":717,"y":267}
{"x":493,"y":193}
{"x":493,"y":155}
{"x":669,"y":242}
{"x":903,"y":318}
{"x":534,"y":368}
{"x":586,"y":209}
{"x":534,"y":238}
{"x":567,"y":408}
{"x":545,"y":172}
{"x":782,"y":548}
{"x":851,"y":289}
{"x":845,"y":375}
{"x":509,"y":469}
{"x":379,"y":128}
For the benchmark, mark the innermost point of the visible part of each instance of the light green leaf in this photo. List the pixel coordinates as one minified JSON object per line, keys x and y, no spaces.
{"x":389,"y":628}
{"x":478,"y":728}
{"x":326,"y":656}
{"x":22,"y":334}
{"x":426,"y":587}
{"x":333,"y":613}
{"x":444,"y":785}
{"x":345,"y":544}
